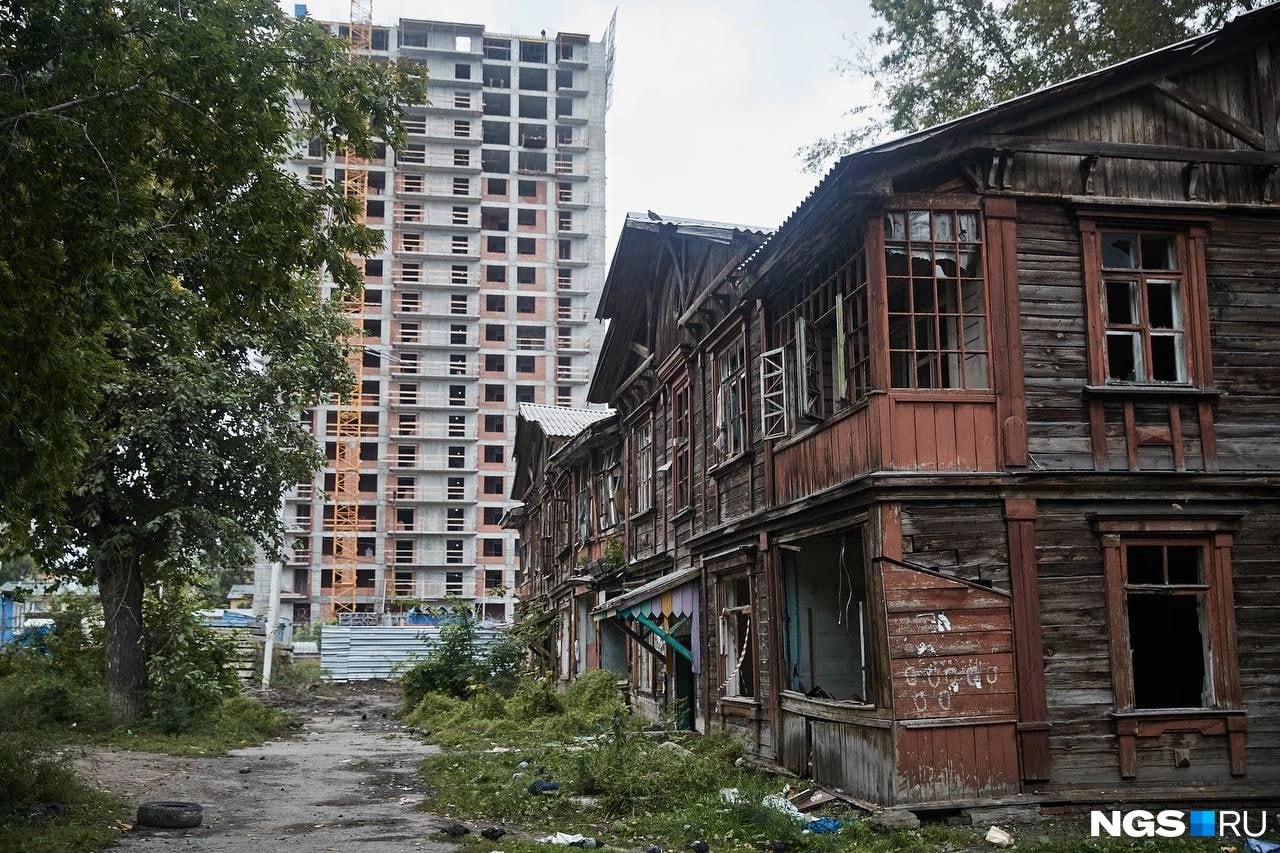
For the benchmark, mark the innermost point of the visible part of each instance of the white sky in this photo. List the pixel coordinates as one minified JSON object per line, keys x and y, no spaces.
{"x":711,"y":98}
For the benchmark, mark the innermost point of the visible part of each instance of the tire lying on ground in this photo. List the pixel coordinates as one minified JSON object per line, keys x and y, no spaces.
{"x":170,"y":814}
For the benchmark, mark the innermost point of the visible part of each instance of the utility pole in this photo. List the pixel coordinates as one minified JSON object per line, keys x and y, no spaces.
{"x":273,"y":617}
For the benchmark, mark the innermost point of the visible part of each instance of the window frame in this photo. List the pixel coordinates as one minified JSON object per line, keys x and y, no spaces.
{"x":728,"y":651}
{"x":643,"y":466}
{"x":1226,"y":714}
{"x":935,"y":316}
{"x":728,"y":450}
{"x":681,"y":432}
{"x":1190,"y":233}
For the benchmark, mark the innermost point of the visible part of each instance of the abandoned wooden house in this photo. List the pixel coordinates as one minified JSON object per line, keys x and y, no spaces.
{"x":965,"y":483}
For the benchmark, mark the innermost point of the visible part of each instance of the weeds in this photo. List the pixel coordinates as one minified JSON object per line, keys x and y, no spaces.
{"x":635,"y":788}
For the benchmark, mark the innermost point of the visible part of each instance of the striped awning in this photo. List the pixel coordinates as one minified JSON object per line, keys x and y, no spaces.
{"x":675,"y":594}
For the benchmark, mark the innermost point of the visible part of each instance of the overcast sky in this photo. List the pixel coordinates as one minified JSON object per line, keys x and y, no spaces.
{"x":711,"y":97}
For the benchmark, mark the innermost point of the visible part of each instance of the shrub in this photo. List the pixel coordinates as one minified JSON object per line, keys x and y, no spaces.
{"x":301,"y":674}
{"x":190,"y":666}
{"x":535,"y":697}
{"x":31,"y":773}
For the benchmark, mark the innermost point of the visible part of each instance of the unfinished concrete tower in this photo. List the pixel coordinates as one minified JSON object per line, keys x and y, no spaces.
{"x":493,"y":263}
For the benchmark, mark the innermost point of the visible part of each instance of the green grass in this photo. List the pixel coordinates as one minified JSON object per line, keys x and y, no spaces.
{"x":641,"y":793}
{"x":93,"y":821}
{"x":33,"y":771}
{"x":240,"y":722}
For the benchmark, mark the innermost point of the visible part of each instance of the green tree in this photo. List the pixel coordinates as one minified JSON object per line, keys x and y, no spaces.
{"x":158,"y":282}
{"x":935,"y":60}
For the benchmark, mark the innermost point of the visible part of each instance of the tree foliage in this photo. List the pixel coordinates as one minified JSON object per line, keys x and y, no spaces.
{"x":139,"y":149}
{"x":935,"y":60}
{"x":160,"y":320}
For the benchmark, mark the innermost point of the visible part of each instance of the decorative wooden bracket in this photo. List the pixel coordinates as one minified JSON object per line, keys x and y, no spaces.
{"x":1000,"y":172}
{"x":1191,"y":180}
{"x":1088,"y":167}
{"x":1265,"y":177}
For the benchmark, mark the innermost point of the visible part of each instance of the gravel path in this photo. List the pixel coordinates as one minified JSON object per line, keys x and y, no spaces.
{"x":341,"y":783}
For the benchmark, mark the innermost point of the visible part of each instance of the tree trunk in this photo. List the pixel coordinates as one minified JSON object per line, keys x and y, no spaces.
{"x":120,"y":587}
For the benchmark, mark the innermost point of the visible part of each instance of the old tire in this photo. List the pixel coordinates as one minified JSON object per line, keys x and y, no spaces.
{"x":170,"y":814}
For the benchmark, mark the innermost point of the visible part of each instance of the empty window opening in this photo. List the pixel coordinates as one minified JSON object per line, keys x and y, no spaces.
{"x":1165,"y":598}
{"x":533,"y":79}
{"x":737,"y":654}
{"x":533,"y":51}
{"x":533,"y":106}
{"x":824,"y":625}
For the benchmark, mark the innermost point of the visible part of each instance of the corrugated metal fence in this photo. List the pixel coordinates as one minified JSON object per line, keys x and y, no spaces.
{"x":359,"y":653}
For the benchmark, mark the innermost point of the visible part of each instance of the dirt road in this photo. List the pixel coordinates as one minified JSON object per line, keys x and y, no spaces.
{"x":341,"y":783}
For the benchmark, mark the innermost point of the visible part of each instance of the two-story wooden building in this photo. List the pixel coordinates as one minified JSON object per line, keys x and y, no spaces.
{"x":965,"y":483}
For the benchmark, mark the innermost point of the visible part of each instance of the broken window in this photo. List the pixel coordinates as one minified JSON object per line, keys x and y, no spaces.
{"x":937,"y":316}
{"x":681,"y":447}
{"x":1143,"y":307}
{"x":582,"y":489}
{"x":607,"y":488}
{"x":642,"y":466}
{"x":824,"y":623}
{"x":731,"y":401}
{"x":1165,"y":589}
{"x":737,"y":632}
{"x":937,"y":302}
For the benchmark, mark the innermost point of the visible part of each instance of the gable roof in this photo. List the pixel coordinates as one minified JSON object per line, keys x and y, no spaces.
{"x":866,"y":167}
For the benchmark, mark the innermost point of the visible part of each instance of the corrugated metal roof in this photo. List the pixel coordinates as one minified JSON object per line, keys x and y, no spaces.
{"x":635,"y":218}
{"x":1169,"y":55}
{"x":562,"y":420}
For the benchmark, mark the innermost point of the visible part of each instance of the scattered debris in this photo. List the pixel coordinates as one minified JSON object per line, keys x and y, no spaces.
{"x":811,"y":798}
{"x":566,"y":839}
{"x":1257,"y":845}
{"x":170,"y":814}
{"x":672,"y":746}
{"x":543,"y":786}
{"x":824,"y":826}
{"x":492,"y":833}
{"x":454,"y":829}
{"x":779,"y":802}
{"x":653,"y":848}
{"x":999,"y":837}
{"x":699,"y":847}
{"x":730,"y":795}
{"x":894,"y":819}
{"x":244,"y":770}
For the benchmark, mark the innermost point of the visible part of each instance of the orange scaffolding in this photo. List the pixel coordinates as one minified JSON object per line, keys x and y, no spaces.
{"x":344,"y":499}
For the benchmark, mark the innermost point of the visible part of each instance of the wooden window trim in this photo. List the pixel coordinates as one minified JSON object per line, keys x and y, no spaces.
{"x":878,"y":283}
{"x":727,"y":456}
{"x":634,"y":491}
{"x":681,"y":453}
{"x":723,"y":580}
{"x":1226,"y":716}
{"x":1191,"y":237}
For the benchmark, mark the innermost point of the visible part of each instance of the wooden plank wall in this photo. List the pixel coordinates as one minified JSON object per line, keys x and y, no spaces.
{"x":1147,"y":116}
{"x":956,"y":762}
{"x":941,"y":435}
{"x":1242,"y":257}
{"x":1078,"y":670}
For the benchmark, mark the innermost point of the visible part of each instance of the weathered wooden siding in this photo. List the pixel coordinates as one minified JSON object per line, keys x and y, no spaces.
{"x":1148,"y":117}
{"x":1242,"y":256}
{"x":942,"y":763}
{"x":834,"y":455}
{"x":1078,"y":670}
{"x":942,"y":435}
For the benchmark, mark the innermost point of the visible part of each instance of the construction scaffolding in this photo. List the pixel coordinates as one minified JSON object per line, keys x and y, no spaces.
{"x":344,"y":499}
